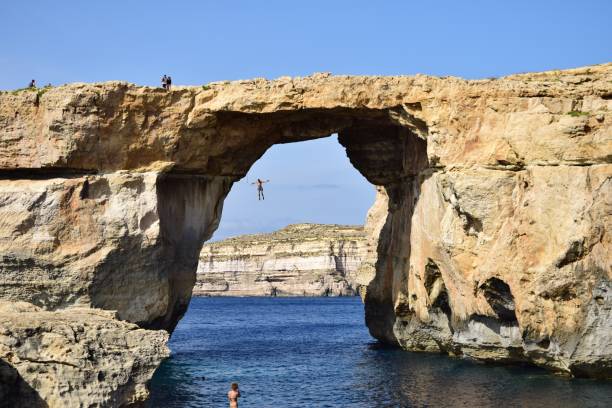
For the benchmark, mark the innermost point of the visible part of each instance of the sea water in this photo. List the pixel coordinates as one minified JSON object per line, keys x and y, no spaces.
{"x":317,"y":352}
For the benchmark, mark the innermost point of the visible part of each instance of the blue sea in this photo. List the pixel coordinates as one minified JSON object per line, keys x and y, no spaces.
{"x":317,"y":352}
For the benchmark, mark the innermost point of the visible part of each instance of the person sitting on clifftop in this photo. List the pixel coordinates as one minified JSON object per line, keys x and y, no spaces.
{"x":260,"y":193}
{"x":32,"y":84}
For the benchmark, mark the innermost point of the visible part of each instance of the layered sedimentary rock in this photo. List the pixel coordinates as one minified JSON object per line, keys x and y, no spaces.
{"x":298,"y":260}
{"x":490,"y":236}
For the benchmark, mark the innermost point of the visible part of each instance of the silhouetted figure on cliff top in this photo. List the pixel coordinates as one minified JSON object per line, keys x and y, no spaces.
{"x":260,"y":192}
{"x":32,"y":84}
{"x":164,"y":82}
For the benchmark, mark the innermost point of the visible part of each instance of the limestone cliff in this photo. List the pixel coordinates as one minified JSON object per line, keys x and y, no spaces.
{"x":298,"y":260}
{"x":489,"y":238}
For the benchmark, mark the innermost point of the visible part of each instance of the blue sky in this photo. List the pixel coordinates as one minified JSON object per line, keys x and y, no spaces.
{"x":201,"y":41}
{"x":309,"y":182}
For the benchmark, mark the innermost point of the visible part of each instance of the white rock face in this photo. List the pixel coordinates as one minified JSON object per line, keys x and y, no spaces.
{"x":298,"y":260}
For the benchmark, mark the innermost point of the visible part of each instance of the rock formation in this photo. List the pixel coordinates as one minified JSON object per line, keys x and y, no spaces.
{"x":489,"y":238}
{"x":298,"y":260}
{"x":74,"y":358}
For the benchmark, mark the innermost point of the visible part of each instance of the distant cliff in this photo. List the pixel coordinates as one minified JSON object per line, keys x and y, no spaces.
{"x":298,"y":260}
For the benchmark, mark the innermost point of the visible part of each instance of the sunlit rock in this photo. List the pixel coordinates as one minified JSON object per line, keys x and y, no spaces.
{"x":489,"y":238}
{"x":298,"y":260}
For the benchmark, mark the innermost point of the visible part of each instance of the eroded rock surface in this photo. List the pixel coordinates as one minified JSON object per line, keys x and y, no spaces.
{"x":489,"y":238}
{"x":76,"y":357}
{"x":107,"y":241}
{"x":298,"y":260}
{"x":505,"y":266}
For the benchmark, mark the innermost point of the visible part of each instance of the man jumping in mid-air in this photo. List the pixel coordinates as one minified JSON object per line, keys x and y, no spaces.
{"x":260,"y":193}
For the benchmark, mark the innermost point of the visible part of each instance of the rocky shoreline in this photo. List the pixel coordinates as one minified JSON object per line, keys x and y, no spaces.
{"x":298,"y":260}
{"x":489,"y":237}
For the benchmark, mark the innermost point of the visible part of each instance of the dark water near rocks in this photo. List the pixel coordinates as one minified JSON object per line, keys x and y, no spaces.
{"x":316,"y":352}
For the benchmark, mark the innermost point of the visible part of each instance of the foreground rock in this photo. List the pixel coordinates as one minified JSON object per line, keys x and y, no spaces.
{"x":298,"y":260}
{"x":490,"y":237}
{"x":78,"y":357}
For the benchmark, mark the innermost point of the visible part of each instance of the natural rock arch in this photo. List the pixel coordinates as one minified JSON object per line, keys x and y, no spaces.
{"x":189,"y":206}
{"x":109,"y":190}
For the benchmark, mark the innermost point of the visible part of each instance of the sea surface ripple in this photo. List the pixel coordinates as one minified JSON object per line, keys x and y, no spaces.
{"x":316,"y":352}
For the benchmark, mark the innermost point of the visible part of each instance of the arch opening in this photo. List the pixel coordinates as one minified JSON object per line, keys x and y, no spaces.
{"x":392,"y":159}
{"x":308,"y":222}
{"x":385,"y":146}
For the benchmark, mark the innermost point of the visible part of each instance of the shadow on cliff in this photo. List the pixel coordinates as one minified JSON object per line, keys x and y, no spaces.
{"x":15,"y":392}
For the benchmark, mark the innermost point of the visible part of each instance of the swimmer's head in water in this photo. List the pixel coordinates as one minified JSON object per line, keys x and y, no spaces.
{"x":234,"y":386}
